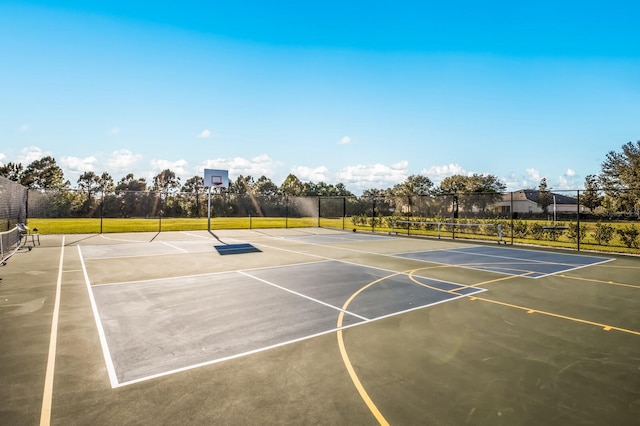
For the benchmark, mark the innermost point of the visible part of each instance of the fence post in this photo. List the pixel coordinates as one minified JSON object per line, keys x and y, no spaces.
{"x":373,"y":216}
{"x":101,"y":209}
{"x":511,"y":212}
{"x":160,"y":214}
{"x":26,"y":209}
{"x":578,"y":198}
{"x":344,"y":211}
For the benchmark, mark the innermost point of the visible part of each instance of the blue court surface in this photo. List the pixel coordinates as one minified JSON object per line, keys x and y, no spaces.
{"x":510,"y":261}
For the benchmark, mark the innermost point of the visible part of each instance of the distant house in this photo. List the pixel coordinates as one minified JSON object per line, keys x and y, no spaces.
{"x":526,"y":201}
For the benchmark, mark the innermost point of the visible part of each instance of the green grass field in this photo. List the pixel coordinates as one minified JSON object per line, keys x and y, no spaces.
{"x":111,"y":225}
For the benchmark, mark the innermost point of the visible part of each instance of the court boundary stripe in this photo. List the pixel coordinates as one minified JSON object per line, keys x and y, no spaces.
{"x":575,"y":268}
{"x":47,"y":396}
{"x":174,"y":246}
{"x":106,"y":353}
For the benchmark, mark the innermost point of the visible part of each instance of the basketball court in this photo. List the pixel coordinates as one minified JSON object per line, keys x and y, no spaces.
{"x":299,"y":326}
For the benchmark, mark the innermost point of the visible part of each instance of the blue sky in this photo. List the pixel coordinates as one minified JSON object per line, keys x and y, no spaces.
{"x":363,"y":93}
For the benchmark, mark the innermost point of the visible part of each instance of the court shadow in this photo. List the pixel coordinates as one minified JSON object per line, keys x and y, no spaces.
{"x":237,"y":249}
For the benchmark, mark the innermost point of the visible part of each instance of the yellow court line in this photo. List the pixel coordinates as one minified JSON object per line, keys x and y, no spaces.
{"x":461,"y":286}
{"x":343,"y":352}
{"x":551,"y":314}
{"x":47,"y":396}
{"x":599,"y":281}
{"x":510,"y":277}
{"x":616,"y":266}
{"x":347,"y":362}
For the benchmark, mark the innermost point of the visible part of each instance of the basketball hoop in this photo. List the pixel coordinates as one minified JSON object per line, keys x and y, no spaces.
{"x":216,"y":181}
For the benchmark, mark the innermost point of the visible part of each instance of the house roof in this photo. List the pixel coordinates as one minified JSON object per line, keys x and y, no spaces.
{"x":534,"y":194}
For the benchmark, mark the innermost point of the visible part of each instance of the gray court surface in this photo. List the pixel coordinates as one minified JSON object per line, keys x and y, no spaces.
{"x":156,"y":327}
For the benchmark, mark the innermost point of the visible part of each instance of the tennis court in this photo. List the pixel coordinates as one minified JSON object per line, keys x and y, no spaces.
{"x":316,"y":326}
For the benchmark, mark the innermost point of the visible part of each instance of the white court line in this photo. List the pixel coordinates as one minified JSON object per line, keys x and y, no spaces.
{"x":304,"y":296}
{"x":121,"y":239}
{"x":47,"y":397}
{"x":573,"y":269}
{"x":191,"y":234}
{"x":546,"y":262}
{"x":103,"y":340}
{"x":175,"y":247}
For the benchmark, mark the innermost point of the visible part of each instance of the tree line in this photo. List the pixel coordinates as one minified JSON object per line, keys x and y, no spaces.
{"x":615,"y":188}
{"x":45,"y":174}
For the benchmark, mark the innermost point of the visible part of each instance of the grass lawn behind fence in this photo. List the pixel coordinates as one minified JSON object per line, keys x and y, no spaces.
{"x":112,"y":225}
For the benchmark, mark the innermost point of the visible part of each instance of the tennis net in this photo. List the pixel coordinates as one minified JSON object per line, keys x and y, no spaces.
{"x":486,"y":231}
{"x":9,"y":244}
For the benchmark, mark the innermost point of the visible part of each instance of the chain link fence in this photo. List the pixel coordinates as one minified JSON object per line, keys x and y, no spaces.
{"x":13,"y":204}
{"x":593,"y":220}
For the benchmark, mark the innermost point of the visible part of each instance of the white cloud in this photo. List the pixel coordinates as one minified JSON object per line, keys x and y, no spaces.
{"x":312,"y":174}
{"x":369,"y":176}
{"x":260,"y":165}
{"x":438,"y":173}
{"x":513,"y":182}
{"x":77,"y":165}
{"x":30,"y":154}
{"x":345,"y":140}
{"x":533,"y":174}
{"x":122,"y":161}
{"x":2,"y":158}
{"x":204,"y":134}
{"x":568,"y":180}
{"x":114,"y":131}
{"x":23,"y":128}
{"x":179,"y":167}
{"x":73,"y":167}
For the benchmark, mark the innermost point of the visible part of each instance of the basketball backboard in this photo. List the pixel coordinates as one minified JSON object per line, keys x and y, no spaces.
{"x":215,"y":178}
